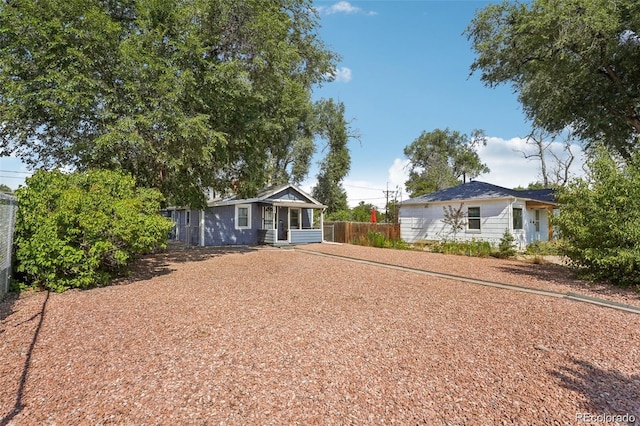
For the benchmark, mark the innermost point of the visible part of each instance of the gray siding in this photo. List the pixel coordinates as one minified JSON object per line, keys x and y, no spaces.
{"x":220,"y":228}
{"x":289,"y":194}
{"x":305,"y":236}
{"x":267,"y":236}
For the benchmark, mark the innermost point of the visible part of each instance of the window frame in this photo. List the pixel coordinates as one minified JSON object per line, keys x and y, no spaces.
{"x":298,"y":212}
{"x":237,"y":216}
{"x":513,"y":214}
{"x":474,"y":218}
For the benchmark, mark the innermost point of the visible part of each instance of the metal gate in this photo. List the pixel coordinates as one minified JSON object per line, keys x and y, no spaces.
{"x":8,"y":208}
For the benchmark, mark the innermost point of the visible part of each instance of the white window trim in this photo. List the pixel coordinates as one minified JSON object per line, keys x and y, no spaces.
{"x":238,"y":207}
{"x":299,"y":211}
{"x":522,"y":218}
{"x":479,"y":218}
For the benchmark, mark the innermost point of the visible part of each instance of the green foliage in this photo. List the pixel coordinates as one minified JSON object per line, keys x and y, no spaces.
{"x":377,"y":239}
{"x":183,"y":95}
{"x":78,"y":230}
{"x":333,"y":127}
{"x":360,"y":213}
{"x":543,"y":248}
{"x":507,"y":245}
{"x":574,"y":64}
{"x":4,"y":188}
{"x":473,"y":247}
{"x":443,"y":158}
{"x":599,"y":220}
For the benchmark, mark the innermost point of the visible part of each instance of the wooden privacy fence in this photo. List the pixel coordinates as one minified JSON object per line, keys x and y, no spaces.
{"x":348,"y":232}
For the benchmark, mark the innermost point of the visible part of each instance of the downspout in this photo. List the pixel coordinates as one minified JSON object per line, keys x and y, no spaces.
{"x":202,"y":228}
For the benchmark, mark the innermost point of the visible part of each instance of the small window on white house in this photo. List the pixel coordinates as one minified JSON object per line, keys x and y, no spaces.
{"x":243,"y":217}
{"x":517,"y":218}
{"x":188,"y":218}
{"x":473,"y":218}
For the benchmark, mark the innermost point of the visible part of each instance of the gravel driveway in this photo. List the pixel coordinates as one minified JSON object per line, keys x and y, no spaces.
{"x":278,"y":337}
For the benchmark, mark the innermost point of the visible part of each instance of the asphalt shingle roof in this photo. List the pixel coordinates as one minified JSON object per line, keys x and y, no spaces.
{"x":482,"y":190}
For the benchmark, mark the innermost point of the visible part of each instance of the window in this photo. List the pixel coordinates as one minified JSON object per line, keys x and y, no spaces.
{"x":188,"y":219}
{"x":267,"y":217}
{"x":517,"y":218}
{"x":537,"y":220}
{"x":243,"y":217}
{"x":295,"y":218}
{"x":473,"y":218}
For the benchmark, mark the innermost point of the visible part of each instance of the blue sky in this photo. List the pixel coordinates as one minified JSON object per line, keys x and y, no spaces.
{"x":404,"y":70}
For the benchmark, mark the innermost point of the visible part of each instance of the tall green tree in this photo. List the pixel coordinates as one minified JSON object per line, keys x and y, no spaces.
{"x":333,"y":128}
{"x":599,"y":219}
{"x":443,"y":158}
{"x":183,"y":95}
{"x":574,"y":64}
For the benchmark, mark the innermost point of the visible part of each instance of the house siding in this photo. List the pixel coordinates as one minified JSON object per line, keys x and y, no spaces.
{"x":420,"y":223}
{"x":306,"y":236}
{"x":220,"y":227}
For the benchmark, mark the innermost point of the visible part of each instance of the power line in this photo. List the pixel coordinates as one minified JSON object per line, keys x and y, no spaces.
{"x":362,"y":187}
{"x":16,"y":171}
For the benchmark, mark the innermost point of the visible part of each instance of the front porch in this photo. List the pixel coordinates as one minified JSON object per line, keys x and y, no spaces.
{"x":291,"y":222}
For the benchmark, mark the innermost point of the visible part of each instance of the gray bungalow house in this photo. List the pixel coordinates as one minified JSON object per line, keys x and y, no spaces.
{"x":489,"y":210}
{"x":279,"y":215}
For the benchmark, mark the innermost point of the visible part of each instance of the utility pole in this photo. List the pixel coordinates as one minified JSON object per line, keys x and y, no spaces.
{"x":386,"y":206}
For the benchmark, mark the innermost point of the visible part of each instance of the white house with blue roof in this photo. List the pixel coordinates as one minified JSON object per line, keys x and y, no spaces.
{"x":489,"y":210}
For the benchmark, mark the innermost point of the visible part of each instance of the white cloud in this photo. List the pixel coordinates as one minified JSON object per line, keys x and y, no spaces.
{"x":342,"y":7}
{"x":508,"y":167}
{"x":342,"y":75}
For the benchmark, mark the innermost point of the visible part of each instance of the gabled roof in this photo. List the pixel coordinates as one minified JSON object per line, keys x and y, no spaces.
{"x":267,"y":196}
{"x":476,"y":190}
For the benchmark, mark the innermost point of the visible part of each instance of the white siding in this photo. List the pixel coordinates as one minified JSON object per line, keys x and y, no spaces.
{"x":419,"y":223}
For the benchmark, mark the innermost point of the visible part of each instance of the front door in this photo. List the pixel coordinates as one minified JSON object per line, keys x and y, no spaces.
{"x":282,"y":216}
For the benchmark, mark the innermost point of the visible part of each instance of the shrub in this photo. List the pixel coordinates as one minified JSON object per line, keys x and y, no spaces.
{"x":475,"y":248}
{"x":542,"y":248}
{"x":78,"y":230}
{"x":599,"y":220}
{"x":507,"y":245}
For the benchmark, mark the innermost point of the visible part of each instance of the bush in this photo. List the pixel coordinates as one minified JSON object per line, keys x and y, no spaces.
{"x":475,"y":248}
{"x":543,"y":248}
{"x":599,"y":220}
{"x":377,"y":239}
{"x":507,"y":245}
{"x":78,"y":230}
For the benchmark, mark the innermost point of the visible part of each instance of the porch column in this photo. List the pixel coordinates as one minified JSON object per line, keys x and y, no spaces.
{"x":322,"y":225}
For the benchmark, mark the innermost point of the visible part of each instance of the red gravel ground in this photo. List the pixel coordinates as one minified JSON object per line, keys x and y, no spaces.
{"x":285,"y":337}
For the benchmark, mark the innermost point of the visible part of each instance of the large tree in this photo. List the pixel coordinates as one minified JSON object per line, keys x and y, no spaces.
{"x":574,"y":64}
{"x":332,"y":127}
{"x":183,"y":94}
{"x":443,"y":158}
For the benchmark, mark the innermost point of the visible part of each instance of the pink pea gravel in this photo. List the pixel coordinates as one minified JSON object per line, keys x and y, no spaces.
{"x":275,"y":336}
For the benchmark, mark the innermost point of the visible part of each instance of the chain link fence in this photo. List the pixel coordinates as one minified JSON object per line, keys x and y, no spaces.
{"x":8,"y":208}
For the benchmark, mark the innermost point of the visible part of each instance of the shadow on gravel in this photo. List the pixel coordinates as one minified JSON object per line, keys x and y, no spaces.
{"x":562,"y":275}
{"x":18,"y":406}
{"x":606,"y":392}
{"x":6,"y":306}
{"x":158,"y":264}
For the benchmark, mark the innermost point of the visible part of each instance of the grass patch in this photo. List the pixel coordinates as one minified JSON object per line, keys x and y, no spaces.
{"x":475,"y":248}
